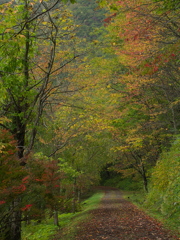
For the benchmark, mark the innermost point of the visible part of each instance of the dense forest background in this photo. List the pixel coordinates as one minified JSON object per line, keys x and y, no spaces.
{"x":89,"y":94}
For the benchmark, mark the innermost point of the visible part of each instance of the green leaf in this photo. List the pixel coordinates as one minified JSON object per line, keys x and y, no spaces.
{"x":65,"y":1}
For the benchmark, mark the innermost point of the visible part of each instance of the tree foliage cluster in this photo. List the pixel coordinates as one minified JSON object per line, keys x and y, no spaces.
{"x":164,"y":194}
{"x":89,"y":16}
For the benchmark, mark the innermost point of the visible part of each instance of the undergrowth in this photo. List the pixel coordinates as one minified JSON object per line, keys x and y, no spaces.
{"x":127,"y":184}
{"x":69,"y":223}
{"x":69,"y":230}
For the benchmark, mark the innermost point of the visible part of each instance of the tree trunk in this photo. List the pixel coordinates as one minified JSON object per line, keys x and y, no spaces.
{"x":79,"y":195}
{"x":16,"y":226}
{"x":13,"y":228}
{"x":74,"y":196}
{"x":13,"y":225}
{"x":145,"y":181}
{"x":56,"y":220}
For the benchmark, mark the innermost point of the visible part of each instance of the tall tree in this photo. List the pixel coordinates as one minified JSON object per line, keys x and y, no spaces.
{"x":37,"y":42}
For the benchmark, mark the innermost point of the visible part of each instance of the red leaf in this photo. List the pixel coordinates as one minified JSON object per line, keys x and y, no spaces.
{"x":28,"y":206}
{"x":25,"y":179}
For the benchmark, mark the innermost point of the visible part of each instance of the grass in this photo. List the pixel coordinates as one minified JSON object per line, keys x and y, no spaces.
{"x":69,"y":223}
{"x":38,"y":231}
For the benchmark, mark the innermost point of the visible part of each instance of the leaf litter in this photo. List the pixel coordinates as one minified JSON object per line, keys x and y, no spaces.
{"x":117,"y":218}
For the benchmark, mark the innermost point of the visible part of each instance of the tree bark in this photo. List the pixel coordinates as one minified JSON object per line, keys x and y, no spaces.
{"x":145,"y":181}
{"x":13,"y":225}
{"x":74,"y":196}
{"x":56,"y":220}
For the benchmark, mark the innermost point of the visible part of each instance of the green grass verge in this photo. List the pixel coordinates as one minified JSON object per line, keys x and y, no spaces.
{"x":69,"y":223}
{"x":36,"y":231}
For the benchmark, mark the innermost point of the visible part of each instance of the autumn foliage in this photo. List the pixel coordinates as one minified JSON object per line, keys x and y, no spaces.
{"x":37,"y":184}
{"x":75,"y":109}
{"x":145,"y":37}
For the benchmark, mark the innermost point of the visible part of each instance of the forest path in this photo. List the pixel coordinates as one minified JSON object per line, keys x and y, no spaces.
{"x":117,"y":218}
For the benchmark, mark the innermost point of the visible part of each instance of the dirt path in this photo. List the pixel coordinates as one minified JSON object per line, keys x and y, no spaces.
{"x":117,"y":218}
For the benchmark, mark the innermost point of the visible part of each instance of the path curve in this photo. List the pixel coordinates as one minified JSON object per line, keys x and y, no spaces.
{"x":117,"y":218}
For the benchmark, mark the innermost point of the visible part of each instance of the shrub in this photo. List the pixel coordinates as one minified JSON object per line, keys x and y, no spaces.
{"x":164,"y":192}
